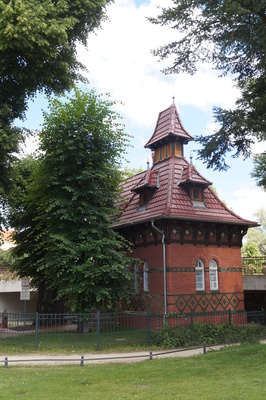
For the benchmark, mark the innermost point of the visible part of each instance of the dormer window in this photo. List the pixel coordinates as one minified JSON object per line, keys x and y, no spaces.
{"x":146,"y":187}
{"x":194,"y":184}
{"x":196,"y":193}
{"x":144,"y":198}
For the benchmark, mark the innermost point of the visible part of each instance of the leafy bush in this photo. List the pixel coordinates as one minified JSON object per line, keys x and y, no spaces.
{"x":207,"y":333}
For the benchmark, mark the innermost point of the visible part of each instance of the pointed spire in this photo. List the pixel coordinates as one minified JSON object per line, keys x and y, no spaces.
{"x":168,"y":126}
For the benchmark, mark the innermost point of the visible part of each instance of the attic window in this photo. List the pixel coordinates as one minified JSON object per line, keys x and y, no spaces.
{"x":196,"y":196}
{"x":196,"y":193}
{"x":144,"y":198}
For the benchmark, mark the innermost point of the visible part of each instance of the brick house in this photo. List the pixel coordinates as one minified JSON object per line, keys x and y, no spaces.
{"x":187,"y":241}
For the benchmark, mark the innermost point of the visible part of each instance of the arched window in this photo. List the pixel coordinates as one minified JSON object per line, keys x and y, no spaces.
{"x":213,"y":275}
{"x":145,"y":277}
{"x":199,"y":269}
{"x":136,"y":277}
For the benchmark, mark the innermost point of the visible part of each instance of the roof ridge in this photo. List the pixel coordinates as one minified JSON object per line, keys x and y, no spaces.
{"x":171,"y":170}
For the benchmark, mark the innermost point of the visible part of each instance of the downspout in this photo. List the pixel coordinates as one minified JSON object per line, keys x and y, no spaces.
{"x":164,"y":266}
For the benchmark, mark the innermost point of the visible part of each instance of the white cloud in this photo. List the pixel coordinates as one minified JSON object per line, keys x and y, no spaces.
{"x":246,"y":200}
{"x":119,"y":61}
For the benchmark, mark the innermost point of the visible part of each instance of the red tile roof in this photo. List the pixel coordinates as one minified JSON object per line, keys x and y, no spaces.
{"x":168,"y":126}
{"x":191,"y":175}
{"x":171,"y":200}
{"x":149,"y":180}
{"x":168,"y":182}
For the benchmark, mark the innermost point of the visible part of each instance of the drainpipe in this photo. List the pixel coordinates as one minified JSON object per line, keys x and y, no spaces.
{"x":164,"y":266}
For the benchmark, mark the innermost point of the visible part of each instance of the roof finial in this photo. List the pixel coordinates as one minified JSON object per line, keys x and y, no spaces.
{"x":148,"y":164}
{"x":173,"y":99}
{"x":191,"y":158}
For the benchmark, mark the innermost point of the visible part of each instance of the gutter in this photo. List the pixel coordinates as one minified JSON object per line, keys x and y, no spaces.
{"x":164,"y":266}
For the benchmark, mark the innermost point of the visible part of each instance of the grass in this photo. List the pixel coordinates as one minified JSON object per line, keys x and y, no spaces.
{"x":233,"y":373}
{"x":69,"y":342}
{"x":119,"y":340}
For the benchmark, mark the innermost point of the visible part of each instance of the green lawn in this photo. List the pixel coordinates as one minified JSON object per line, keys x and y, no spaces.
{"x":236,"y":373}
{"x":69,"y":342}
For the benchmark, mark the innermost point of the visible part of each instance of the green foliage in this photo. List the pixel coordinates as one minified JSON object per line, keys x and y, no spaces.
{"x":255,"y":239}
{"x":129,"y":172}
{"x":6,"y":265}
{"x":37,"y":52}
{"x":259,"y":172}
{"x":38,"y":47}
{"x":63,"y":201}
{"x":230,"y":35}
{"x":250,"y":249}
{"x":207,"y":333}
{"x":10,"y":139}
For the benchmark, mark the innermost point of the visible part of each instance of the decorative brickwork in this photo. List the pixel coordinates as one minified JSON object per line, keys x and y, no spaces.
{"x":185,"y":303}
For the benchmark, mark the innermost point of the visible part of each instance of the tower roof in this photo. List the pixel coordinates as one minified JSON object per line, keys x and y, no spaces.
{"x":176,"y":189}
{"x":168,"y":126}
{"x":170,"y":199}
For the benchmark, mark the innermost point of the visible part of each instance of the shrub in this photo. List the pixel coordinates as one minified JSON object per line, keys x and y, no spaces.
{"x":207,"y":333}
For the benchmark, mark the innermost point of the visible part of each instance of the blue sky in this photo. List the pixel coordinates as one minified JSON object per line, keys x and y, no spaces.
{"x":120,"y":62}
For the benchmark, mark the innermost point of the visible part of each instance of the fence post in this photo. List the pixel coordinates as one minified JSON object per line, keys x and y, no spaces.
{"x":230,"y":316}
{"x":191,"y":320}
{"x":82,"y":361}
{"x":98,"y":330}
{"x":263,"y":318}
{"x":148,"y":326}
{"x":6,"y":362}
{"x":36,"y":331}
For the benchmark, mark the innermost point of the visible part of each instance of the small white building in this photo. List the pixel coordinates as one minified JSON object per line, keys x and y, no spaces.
{"x":10,"y":289}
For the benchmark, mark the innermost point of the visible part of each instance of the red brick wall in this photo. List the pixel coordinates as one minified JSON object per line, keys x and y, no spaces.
{"x":182,"y":296}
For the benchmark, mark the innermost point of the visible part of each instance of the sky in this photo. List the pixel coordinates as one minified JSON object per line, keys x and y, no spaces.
{"x":119,"y":61}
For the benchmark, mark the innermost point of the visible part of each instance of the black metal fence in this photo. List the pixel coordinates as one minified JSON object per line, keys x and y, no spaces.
{"x":106,"y":329}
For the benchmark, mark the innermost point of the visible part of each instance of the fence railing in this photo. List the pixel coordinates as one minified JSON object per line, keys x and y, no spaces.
{"x":103,"y":329}
{"x":254,"y":265}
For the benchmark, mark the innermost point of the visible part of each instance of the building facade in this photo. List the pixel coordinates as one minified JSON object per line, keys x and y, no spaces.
{"x":186,"y":241}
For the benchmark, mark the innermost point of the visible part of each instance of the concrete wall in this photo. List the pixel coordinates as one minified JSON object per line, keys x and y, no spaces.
{"x":12,"y":303}
{"x":10,"y":298}
{"x":254,"y":282}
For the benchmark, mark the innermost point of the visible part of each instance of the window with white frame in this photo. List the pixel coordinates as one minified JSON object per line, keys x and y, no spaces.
{"x":145,"y":277}
{"x":136,"y":277}
{"x":213,"y":275}
{"x":199,"y":269}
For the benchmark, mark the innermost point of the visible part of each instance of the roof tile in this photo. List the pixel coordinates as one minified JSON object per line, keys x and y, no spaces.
{"x":168,"y":125}
{"x":171,"y":200}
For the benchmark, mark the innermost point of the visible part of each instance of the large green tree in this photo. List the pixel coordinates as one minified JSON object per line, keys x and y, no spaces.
{"x":230,"y":35}
{"x":67,"y":202}
{"x":10,"y":139}
{"x":38,"y":47}
{"x":257,"y":236}
{"x":38,"y":53}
